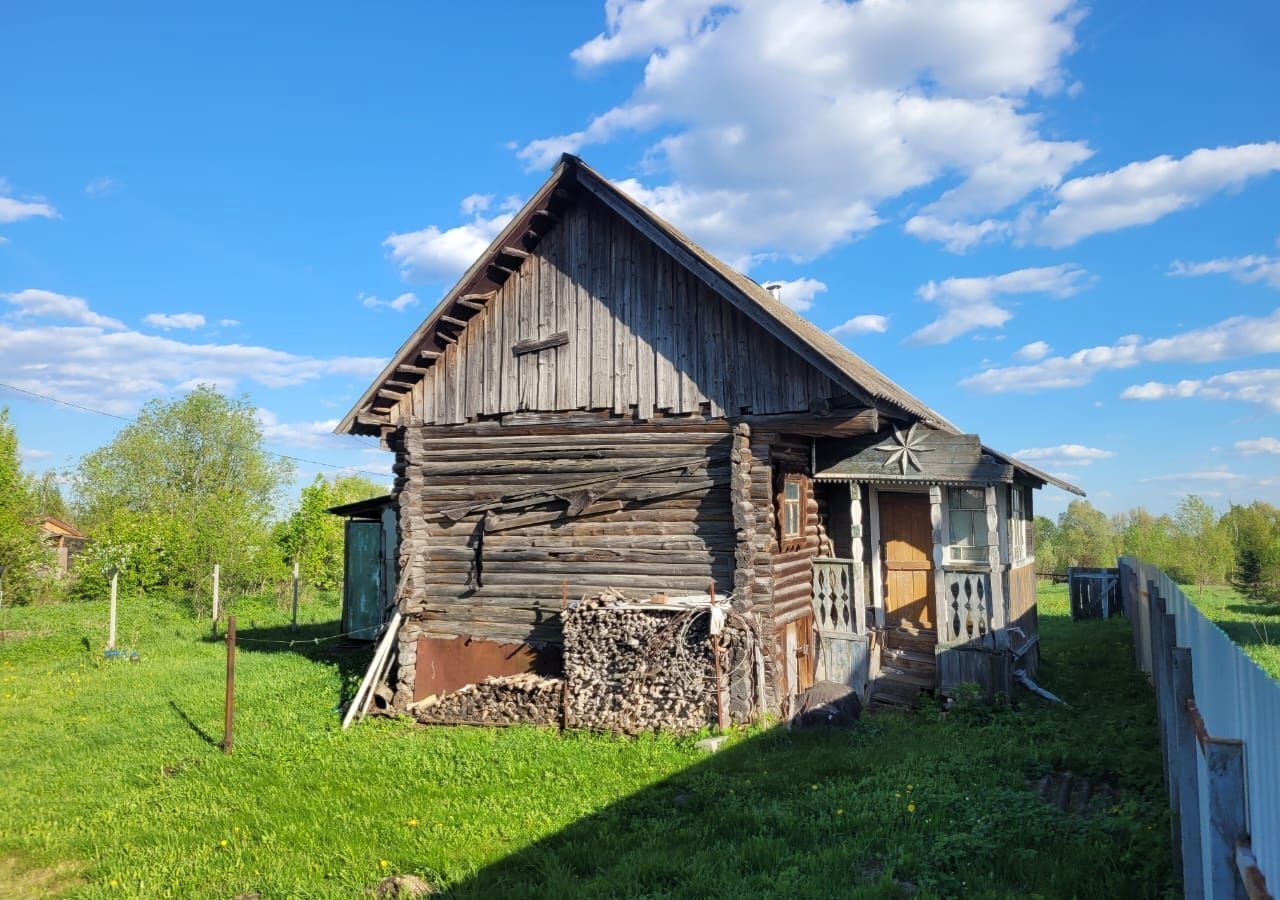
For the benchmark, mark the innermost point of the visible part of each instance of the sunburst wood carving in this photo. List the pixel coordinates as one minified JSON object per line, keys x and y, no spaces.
{"x":903,"y":449}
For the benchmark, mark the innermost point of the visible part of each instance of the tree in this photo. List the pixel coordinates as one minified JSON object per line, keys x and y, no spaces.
{"x":1086,"y":536}
{"x":1152,"y":539}
{"x":24,"y":557}
{"x":185,"y":486}
{"x":1255,"y":536}
{"x":313,"y":537}
{"x":48,"y":495}
{"x":1047,"y":553}
{"x":1247,"y":578}
{"x":1204,"y":545}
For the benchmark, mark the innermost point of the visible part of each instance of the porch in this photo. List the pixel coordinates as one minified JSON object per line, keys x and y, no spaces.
{"x":930,"y":582}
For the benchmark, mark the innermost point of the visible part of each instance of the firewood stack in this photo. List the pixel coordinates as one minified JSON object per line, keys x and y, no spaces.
{"x":632,"y":670}
{"x":525,"y":699}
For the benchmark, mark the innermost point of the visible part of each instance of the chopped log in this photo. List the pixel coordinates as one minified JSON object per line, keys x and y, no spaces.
{"x":412,"y":370}
{"x":450,"y":320}
{"x":559,"y":339}
{"x":470,"y":304}
{"x":402,"y":385}
{"x":430,"y":354}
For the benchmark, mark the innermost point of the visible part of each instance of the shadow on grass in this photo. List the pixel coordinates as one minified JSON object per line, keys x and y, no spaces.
{"x":192,"y":724}
{"x":942,"y":804}
{"x":319,"y":642}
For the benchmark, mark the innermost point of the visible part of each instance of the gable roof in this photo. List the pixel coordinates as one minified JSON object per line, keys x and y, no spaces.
{"x":54,"y":525}
{"x":824,"y":352}
{"x":844,"y":367}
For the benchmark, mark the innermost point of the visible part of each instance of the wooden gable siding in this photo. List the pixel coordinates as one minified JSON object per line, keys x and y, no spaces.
{"x":681,"y":541}
{"x":642,"y":331}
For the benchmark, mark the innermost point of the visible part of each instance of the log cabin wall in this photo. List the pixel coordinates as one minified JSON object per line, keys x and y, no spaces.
{"x":670,"y":528}
{"x":621,"y":326}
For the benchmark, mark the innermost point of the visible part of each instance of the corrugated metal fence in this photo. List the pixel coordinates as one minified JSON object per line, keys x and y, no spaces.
{"x":1219,"y":719}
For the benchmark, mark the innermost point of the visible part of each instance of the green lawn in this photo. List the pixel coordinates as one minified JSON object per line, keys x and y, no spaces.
{"x":1254,"y":625}
{"x":112,"y":784}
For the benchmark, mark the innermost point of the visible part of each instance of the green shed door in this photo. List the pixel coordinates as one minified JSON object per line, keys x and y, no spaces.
{"x":362,"y":586}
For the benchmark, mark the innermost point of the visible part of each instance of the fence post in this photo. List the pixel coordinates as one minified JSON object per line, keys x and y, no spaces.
{"x":216,"y":578}
{"x":1158,"y":683}
{"x":1168,"y":638}
{"x":1187,"y":763}
{"x":295,"y":595}
{"x":111,"y":625}
{"x":229,"y":714}
{"x":1224,"y":761}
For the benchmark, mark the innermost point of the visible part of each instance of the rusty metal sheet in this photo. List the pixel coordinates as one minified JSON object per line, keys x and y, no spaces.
{"x":446,"y":664}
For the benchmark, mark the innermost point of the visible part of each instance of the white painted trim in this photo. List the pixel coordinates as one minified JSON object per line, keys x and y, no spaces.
{"x":999,"y":613}
{"x":877,"y":574}
{"x":858,"y":551}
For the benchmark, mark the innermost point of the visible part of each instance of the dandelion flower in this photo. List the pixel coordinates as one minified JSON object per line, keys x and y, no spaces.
{"x":383,"y":863}
{"x":115,"y":883}
{"x":814,"y":787}
{"x":911,"y":807}
{"x":222,"y":843}
{"x":412,"y":823}
{"x":839,"y":812}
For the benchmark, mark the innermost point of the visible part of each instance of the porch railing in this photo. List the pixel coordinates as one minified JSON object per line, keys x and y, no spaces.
{"x":834,"y":598}
{"x":965,"y":617}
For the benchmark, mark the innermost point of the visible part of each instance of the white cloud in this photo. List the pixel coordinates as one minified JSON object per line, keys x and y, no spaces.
{"x":798,"y":294}
{"x":399,"y":304}
{"x":781,"y":125}
{"x":15,"y":210}
{"x":228,"y":323}
{"x":1258,"y":386}
{"x":1201,"y":475}
{"x":1256,"y":446}
{"x":169,"y":321}
{"x":1033,"y":352}
{"x":1065,"y":455}
{"x":442,"y":254}
{"x":862,"y":325}
{"x":1142,"y":192}
{"x":1232,"y":338}
{"x":38,"y":304}
{"x":298,"y":434}
{"x":101,"y":186}
{"x":957,"y":237}
{"x":1245,"y":269}
{"x":111,"y":368}
{"x":969,"y":303}
{"x":31,"y":453}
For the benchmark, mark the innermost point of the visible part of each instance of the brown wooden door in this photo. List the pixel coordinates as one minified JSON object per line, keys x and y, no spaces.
{"x":906,"y":546}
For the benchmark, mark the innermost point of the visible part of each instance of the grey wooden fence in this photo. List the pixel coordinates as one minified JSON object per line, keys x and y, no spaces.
{"x":1219,"y":717}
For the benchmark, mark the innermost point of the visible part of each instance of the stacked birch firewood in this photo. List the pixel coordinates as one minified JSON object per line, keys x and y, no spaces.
{"x":525,"y":699}
{"x":631,"y":670}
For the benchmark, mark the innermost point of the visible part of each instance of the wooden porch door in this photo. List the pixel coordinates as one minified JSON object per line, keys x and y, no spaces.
{"x":906,"y":546}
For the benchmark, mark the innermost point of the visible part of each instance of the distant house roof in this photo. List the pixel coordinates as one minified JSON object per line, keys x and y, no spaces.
{"x":363,"y":509}
{"x":56,"y":526}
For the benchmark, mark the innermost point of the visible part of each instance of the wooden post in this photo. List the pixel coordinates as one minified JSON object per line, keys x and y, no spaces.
{"x":996,"y":587}
{"x":1171,"y":717}
{"x":564,"y":683}
{"x":229,"y":716}
{"x":295,"y":595}
{"x":1224,"y":761}
{"x":1187,"y":764}
{"x":721,"y":718}
{"x":111,"y":626}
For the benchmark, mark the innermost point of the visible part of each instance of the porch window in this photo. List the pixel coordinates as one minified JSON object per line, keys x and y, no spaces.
{"x":791,"y":513}
{"x":967,"y":516}
{"x":1017,"y":523}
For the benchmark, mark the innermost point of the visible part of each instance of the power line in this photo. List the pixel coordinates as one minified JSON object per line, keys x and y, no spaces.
{"x":89,"y":409}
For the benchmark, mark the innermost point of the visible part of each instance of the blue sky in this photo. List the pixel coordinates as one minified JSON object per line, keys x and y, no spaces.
{"x":1056,"y":223}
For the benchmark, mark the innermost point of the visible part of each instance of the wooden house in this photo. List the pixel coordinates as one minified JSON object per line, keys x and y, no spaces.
{"x":600,"y":403}
{"x":66,"y":540}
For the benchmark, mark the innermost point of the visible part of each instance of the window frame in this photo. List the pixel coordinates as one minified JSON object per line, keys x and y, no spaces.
{"x":792,"y":539}
{"x":1017,"y":523}
{"x":976,"y":517}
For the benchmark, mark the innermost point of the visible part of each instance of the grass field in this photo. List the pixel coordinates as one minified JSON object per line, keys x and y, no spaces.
{"x":1253,"y":625}
{"x":111,"y":784}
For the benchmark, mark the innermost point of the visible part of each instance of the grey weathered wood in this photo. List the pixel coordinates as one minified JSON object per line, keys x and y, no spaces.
{"x":1224,"y":764}
{"x":1186,"y":764}
{"x":559,"y":339}
{"x":999,"y":614}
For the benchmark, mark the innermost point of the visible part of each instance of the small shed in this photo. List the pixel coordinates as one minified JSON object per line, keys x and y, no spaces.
{"x":371,"y":548}
{"x":65,"y":538}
